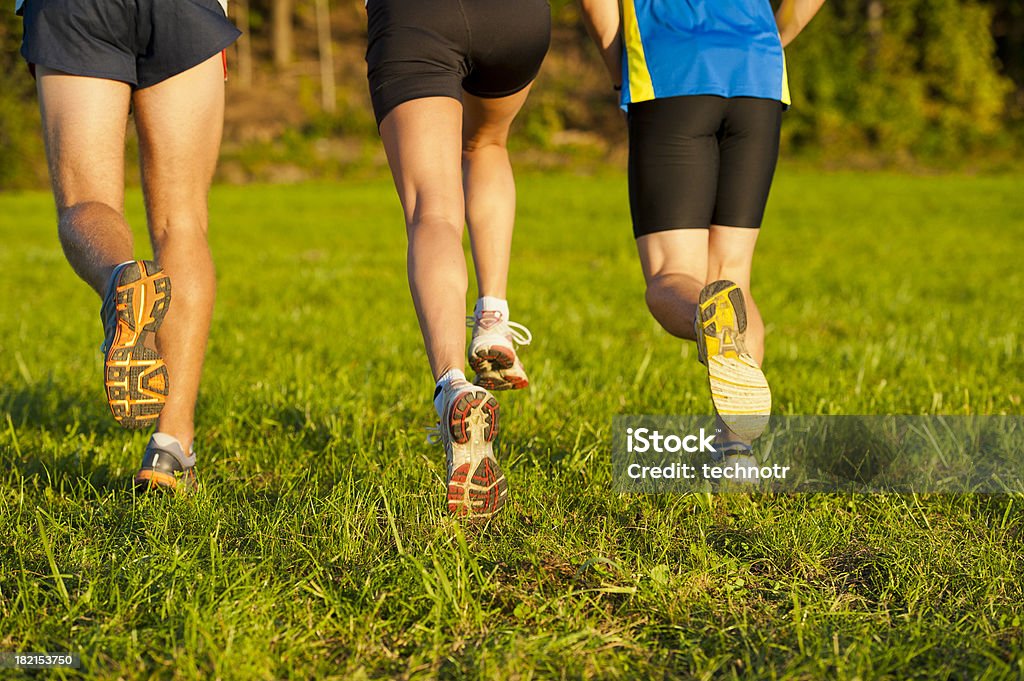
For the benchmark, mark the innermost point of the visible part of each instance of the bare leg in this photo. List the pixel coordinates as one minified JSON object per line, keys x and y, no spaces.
{"x":83,"y":126}
{"x":422,"y":139}
{"x":490,"y":189}
{"x":731,"y":256}
{"x":675,"y":264}
{"x":179,"y":123}
{"x":678,"y":263}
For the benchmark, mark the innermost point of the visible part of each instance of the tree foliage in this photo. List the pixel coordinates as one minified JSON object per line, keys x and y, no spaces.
{"x":915,"y":77}
{"x":886,"y":80}
{"x":21,"y":148}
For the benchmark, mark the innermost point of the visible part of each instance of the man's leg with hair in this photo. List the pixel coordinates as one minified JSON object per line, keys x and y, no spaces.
{"x":422,"y":138}
{"x":179,"y":122}
{"x":490,"y":188}
{"x":84,"y":123}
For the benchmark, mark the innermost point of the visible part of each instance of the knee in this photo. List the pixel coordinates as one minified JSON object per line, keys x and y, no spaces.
{"x":673,"y":286}
{"x":436,"y":224}
{"x":670,"y":299}
{"x":657,"y":288}
{"x":731,"y":266}
{"x":737,"y":275}
{"x":185,"y":225}
{"x":654,"y":296}
{"x":483,"y":141}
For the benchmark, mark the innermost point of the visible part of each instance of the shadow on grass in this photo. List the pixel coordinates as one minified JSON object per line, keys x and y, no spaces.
{"x":70,"y":472}
{"x":51,"y":434}
{"x":51,"y":407}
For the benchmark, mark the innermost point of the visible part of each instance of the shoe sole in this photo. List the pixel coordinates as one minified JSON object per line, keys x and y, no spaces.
{"x":498,"y":368}
{"x":135,"y":375}
{"x":739,"y":389}
{"x":477,"y":489}
{"x":147,"y":479}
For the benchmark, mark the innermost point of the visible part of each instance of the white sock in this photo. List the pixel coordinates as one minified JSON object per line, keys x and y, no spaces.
{"x":442,"y":385}
{"x":165,"y":440}
{"x":491,"y":304}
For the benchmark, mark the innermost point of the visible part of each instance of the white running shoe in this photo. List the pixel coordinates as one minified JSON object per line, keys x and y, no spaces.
{"x":492,"y":352}
{"x":469,"y":424}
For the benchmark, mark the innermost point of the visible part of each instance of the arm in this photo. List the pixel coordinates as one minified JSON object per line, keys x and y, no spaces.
{"x":793,"y":16}
{"x":604,"y":26}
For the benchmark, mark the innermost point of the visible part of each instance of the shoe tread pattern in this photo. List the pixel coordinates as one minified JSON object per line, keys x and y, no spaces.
{"x":739,"y":389}
{"x":476,"y":489}
{"x":135,"y":376}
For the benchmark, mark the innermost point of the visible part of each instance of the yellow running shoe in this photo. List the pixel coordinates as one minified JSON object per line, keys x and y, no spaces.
{"x":739,"y":389}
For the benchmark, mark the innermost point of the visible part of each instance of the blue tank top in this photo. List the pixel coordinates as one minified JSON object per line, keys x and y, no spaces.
{"x":729,"y":48}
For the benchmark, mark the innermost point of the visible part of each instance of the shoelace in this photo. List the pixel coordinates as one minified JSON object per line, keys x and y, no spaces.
{"x":519,"y":333}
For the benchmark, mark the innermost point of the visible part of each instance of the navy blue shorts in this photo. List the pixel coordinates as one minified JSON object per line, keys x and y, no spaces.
{"x":139,"y":42}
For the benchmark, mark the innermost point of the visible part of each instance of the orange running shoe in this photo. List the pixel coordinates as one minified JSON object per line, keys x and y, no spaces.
{"x":135,"y":375}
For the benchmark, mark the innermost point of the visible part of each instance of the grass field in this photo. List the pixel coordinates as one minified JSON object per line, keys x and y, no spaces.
{"x":318,"y":544}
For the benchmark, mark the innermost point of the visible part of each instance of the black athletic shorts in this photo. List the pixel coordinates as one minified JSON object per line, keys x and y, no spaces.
{"x":437,"y":48}
{"x":697,"y":161}
{"x":139,"y":42}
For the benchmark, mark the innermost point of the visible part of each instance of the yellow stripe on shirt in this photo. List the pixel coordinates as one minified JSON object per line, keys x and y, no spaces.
{"x":641,"y":89}
{"x":785,"y":82}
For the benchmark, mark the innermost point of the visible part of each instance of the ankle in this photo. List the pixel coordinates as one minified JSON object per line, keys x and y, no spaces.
{"x":443,"y":383}
{"x":183,"y":438}
{"x":491,"y":304}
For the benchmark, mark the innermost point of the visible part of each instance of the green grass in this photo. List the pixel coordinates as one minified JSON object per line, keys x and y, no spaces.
{"x":318,"y":544}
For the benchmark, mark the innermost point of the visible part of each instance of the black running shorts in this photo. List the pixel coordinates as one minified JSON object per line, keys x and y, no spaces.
{"x":139,"y":42}
{"x":702,"y":160}
{"x":438,"y":48}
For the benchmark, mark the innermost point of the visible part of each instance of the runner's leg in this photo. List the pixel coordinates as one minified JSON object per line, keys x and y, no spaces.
{"x":83,"y":127}
{"x":730,"y":256}
{"x":422,"y":138}
{"x":675,"y":265}
{"x":490,"y":188}
{"x":179,"y":122}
